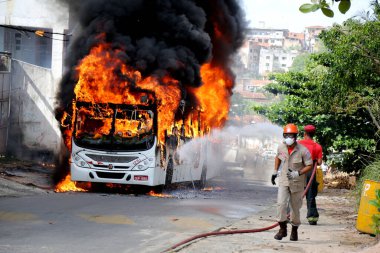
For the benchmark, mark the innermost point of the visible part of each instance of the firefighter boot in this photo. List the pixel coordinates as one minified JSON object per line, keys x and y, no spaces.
{"x":294,"y":234}
{"x":283,"y":231}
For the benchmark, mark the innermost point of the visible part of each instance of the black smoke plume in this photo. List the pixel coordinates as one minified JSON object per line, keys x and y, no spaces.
{"x":159,"y":37}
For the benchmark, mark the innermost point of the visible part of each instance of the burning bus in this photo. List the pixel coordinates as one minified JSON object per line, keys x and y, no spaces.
{"x":127,"y":135}
{"x":118,"y":143}
{"x":144,"y":78}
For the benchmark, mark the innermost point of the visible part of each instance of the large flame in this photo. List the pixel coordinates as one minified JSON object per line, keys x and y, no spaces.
{"x":104,"y":78}
{"x":213,"y":96}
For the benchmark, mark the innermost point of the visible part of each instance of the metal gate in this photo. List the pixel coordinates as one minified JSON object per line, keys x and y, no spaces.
{"x":5,"y":90}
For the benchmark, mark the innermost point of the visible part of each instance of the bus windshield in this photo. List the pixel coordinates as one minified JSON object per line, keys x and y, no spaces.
{"x":113,"y":127}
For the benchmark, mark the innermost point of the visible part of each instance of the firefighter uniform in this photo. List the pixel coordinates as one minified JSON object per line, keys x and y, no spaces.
{"x":291,"y":190}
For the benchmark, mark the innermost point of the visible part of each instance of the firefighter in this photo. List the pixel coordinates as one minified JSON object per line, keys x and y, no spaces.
{"x":316,"y":154}
{"x":295,"y":161}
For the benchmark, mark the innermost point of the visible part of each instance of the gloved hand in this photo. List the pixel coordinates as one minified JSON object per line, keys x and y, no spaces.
{"x":292,"y":174}
{"x":273,"y":178}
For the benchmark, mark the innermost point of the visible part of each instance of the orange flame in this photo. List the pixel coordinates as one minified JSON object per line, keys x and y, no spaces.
{"x":68,"y":185}
{"x":159,"y":195}
{"x":216,"y":188}
{"x":98,"y":82}
{"x":213,"y":96}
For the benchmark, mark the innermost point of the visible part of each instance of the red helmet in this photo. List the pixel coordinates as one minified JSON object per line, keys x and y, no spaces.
{"x":309,"y":128}
{"x":290,"y":129}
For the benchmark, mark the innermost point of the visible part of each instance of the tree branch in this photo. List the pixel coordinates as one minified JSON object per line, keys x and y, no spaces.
{"x":373,"y":118}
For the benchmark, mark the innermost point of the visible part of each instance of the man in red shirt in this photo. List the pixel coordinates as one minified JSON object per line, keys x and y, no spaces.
{"x":316,"y":154}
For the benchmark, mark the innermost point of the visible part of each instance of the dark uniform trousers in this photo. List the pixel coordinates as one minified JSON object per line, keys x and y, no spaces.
{"x":312,"y":211}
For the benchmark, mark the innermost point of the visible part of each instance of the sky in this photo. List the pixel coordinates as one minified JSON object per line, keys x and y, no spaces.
{"x":285,"y":14}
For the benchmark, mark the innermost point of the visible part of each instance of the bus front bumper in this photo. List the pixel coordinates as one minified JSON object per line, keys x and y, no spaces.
{"x":112,"y":176}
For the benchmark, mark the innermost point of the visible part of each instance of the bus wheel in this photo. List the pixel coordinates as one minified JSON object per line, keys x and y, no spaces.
{"x":169,"y":172}
{"x":202,"y":182}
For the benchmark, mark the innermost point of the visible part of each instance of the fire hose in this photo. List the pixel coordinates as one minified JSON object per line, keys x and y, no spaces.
{"x":243,"y":231}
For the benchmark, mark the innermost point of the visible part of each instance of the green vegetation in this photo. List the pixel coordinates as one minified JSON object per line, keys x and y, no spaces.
{"x":300,"y":62}
{"x":326,"y":7}
{"x":338,"y":91}
{"x":376,"y":216}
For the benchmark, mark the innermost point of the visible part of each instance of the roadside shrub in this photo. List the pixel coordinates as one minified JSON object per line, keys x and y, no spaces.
{"x":376,"y":216}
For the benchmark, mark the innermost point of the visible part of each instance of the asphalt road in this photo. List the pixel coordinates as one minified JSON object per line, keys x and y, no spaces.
{"x":110,"y":222}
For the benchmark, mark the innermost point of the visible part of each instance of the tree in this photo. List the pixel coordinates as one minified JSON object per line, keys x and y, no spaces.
{"x":325,"y":6}
{"x":338,"y":91}
{"x":299,"y":63}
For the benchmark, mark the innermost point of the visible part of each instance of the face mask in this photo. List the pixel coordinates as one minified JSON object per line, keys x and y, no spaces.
{"x":289,"y":141}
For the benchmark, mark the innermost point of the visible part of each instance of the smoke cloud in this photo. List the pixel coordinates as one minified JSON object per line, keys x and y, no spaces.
{"x":235,"y":146}
{"x":157,"y":37}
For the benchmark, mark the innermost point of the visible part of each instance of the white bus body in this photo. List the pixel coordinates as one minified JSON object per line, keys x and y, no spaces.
{"x":142,"y":166}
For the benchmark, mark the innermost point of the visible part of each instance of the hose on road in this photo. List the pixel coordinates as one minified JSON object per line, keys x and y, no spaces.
{"x":244,"y":231}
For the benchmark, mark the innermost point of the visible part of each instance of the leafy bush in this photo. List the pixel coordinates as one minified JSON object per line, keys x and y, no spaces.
{"x":376,"y":216}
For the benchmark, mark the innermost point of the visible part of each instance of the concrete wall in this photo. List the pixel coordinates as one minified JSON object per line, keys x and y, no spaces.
{"x":5,"y":85}
{"x":33,"y":129}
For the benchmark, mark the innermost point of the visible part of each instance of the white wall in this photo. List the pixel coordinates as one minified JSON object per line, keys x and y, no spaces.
{"x":285,"y":60}
{"x":32,"y":124}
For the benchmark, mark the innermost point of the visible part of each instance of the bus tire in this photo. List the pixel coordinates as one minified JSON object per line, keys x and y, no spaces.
{"x":169,"y":172}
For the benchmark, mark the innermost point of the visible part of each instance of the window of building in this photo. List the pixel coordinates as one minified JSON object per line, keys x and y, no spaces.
{"x":268,"y":57}
{"x":284,"y":58}
{"x":267,"y":64}
{"x":283,"y":65}
{"x":275,"y":58}
{"x":18,"y":41}
{"x":266,"y":41}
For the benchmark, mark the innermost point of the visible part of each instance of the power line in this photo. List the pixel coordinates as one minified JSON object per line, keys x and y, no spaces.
{"x":37,"y":32}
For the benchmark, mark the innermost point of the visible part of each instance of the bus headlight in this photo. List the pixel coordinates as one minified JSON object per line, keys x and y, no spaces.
{"x":79,"y":161}
{"x":144,"y":164}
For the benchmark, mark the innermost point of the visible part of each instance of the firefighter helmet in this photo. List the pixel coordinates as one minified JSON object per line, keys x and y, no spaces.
{"x":309,"y":128}
{"x":290,"y":129}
